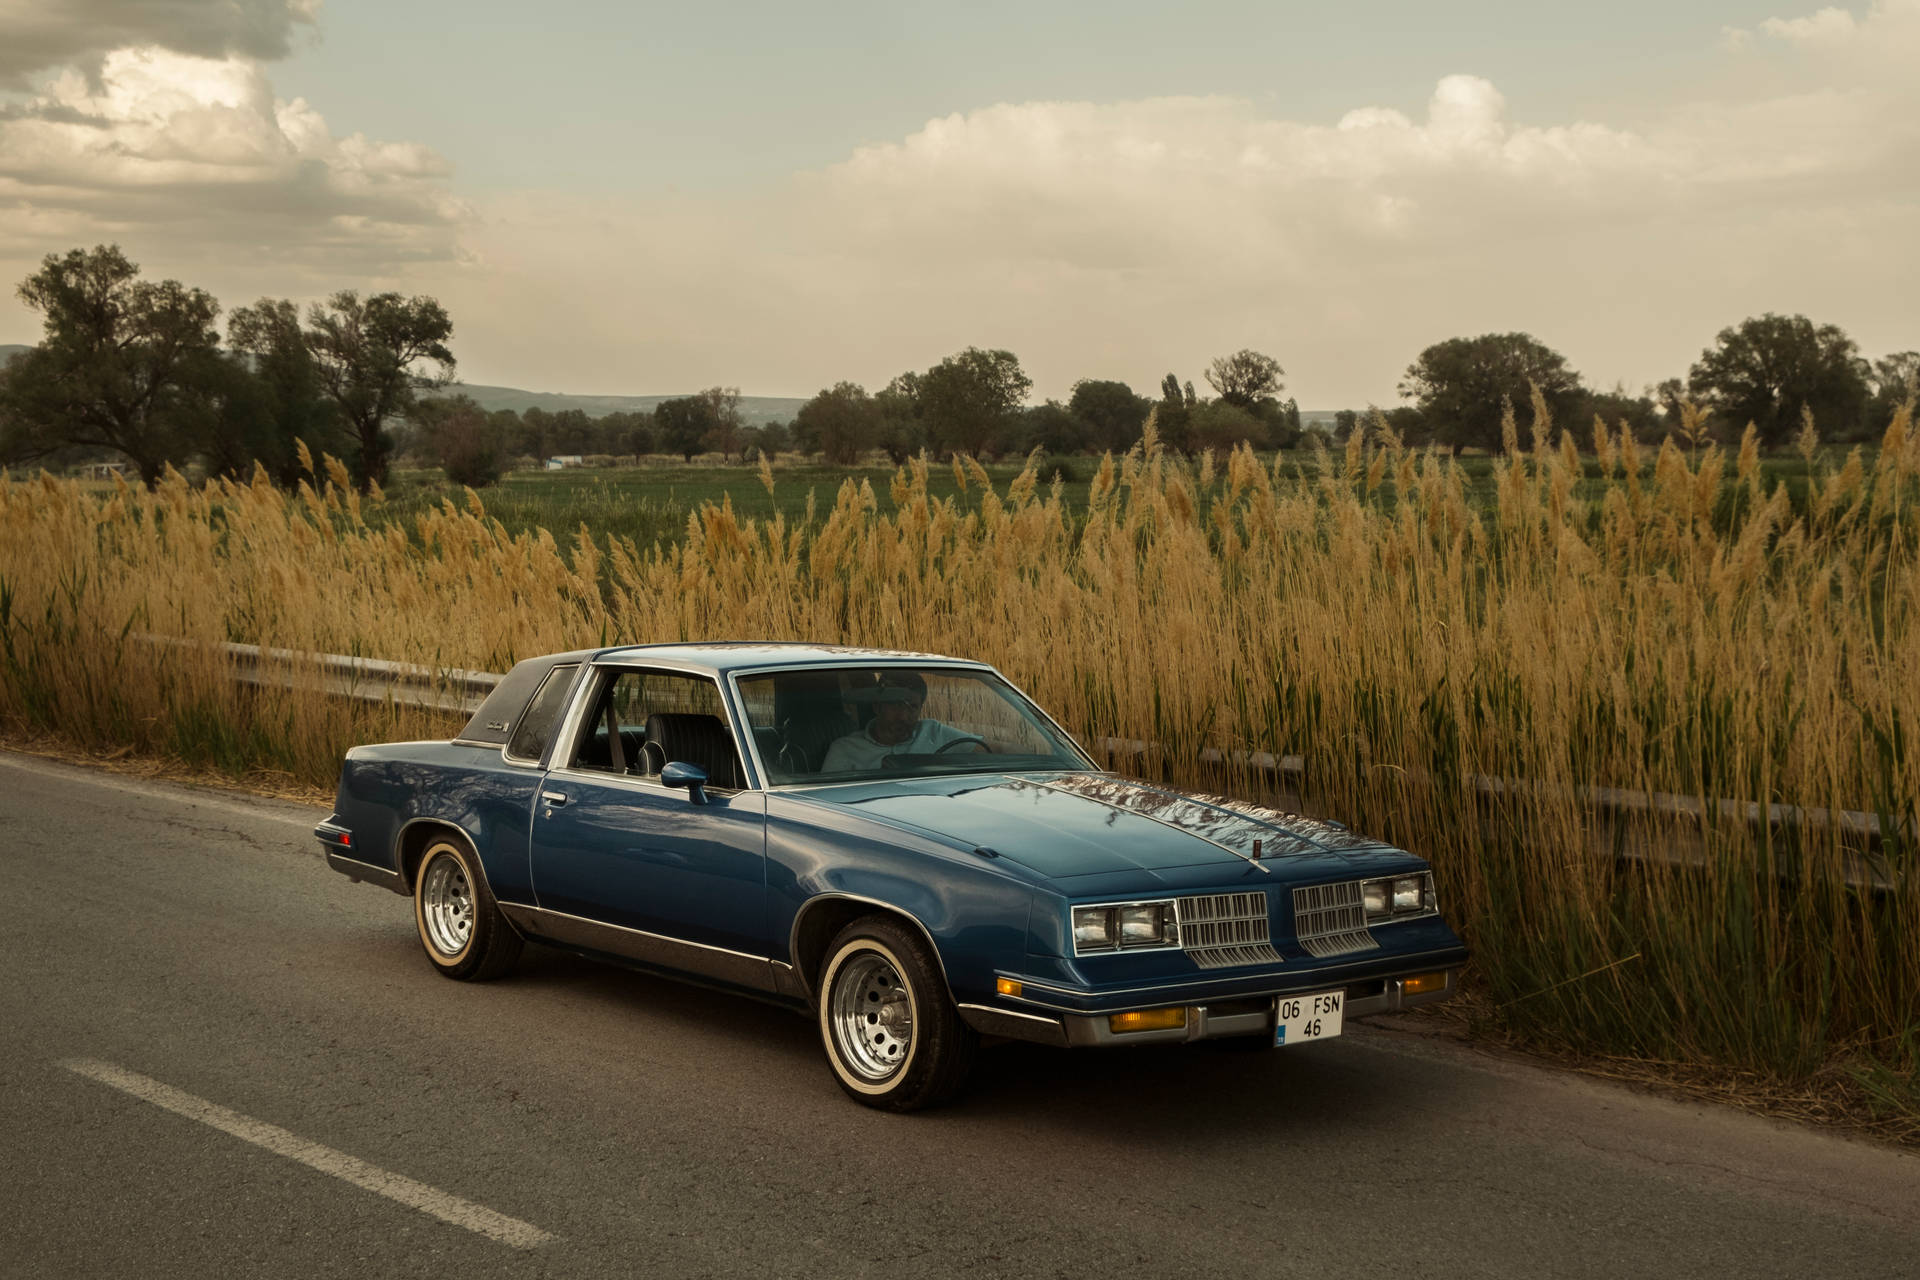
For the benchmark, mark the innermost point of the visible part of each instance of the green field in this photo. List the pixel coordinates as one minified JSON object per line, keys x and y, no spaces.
{"x":651,"y":503}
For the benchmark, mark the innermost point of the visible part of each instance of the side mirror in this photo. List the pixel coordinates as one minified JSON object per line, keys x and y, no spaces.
{"x":678,"y":773}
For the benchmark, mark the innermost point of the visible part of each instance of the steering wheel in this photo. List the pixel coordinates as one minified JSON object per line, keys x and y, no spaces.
{"x":945,"y":747}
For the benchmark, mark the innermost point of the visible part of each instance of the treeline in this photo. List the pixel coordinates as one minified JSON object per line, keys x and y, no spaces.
{"x":138,"y":369}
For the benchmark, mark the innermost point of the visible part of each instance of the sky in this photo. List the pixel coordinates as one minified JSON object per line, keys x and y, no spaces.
{"x":638,"y":198}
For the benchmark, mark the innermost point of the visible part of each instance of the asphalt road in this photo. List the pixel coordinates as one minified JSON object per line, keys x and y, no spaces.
{"x":221,"y":1058}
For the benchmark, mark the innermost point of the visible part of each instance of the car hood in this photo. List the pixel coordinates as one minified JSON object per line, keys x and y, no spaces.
{"x":1084,"y":824}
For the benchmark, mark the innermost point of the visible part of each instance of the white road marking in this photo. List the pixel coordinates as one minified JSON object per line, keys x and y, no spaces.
{"x":415,"y":1195}
{"x":175,"y":792}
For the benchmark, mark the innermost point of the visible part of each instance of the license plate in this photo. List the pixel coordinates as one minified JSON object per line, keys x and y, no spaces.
{"x":1309,"y":1017}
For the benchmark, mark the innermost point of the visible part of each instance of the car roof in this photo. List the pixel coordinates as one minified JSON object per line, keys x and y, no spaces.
{"x":735,"y":656}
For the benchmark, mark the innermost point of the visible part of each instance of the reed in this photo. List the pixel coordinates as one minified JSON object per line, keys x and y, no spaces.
{"x":1681,"y":623}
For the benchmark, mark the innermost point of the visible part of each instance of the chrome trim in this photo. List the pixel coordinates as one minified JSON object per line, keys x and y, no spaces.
{"x":1174,"y":826}
{"x":786,"y":980}
{"x":793,"y":933}
{"x":738,"y":967}
{"x":1116,"y":949}
{"x":399,"y":839}
{"x":989,"y":1021}
{"x":1331,"y":919}
{"x":588,"y":691}
{"x":1237,"y":929}
{"x":631,"y":782}
{"x":785,"y":788}
{"x":354,"y":869}
{"x":1281,"y":983}
{"x":1426,"y":913}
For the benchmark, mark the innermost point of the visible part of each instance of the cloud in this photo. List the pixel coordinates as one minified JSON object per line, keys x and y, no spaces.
{"x":1890,"y":28}
{"x":1825,"y":27}
{"x":1124,"y":239}
{"x":189,"y":155}
{"x":81,"y":33}
{"x":1094,"y":239}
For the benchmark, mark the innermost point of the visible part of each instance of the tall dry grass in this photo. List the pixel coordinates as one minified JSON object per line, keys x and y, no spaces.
{"x":1677,"y":627}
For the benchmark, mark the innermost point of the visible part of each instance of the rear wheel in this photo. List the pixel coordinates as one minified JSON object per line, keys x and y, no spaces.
{"x":891,"y":1032}
{"x":461,"y":929}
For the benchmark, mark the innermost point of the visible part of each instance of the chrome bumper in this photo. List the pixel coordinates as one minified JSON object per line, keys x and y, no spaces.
{"x":1212,"y":1020}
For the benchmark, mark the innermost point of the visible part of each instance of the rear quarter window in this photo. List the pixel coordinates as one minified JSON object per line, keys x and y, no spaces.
{"x":542,"y":716}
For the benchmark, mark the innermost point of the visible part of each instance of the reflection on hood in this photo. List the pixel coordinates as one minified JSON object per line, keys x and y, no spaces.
{"x":1232,"y":824}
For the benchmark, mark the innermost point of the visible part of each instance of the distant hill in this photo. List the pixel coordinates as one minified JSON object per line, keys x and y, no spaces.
{"x":8,"y":350}
{"x":754,"y":410}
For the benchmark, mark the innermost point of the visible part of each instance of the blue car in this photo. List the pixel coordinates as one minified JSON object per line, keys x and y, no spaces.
{"x":902,"y":846}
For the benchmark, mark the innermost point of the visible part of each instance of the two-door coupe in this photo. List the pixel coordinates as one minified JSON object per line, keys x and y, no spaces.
{"x":903,"y":845}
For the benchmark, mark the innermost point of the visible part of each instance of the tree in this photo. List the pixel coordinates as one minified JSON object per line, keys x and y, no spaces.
{"x":902,"y":433}
{"x":463,"y":438}
{"x":682,"y":426}
{"x":1463,"y":385}
{"x":126,"y":364}
{"x":723,"y":404}
{"x":1895,"y":380}
{"x":1174,"y":408}
{"x":1050,"y":426}
{"x":1221,"y":426}
{"x":365,"y":352}
{"x":1112,"y":414}
{"x":965,"y":400}
{"x":1245,"y":378}
{"x":1283,"y":423}
{"x":1768,"y":370}
{"x":570,"y":431}
{"x":1640,"y":414}
{"x":287,"y":406}
{"x":840,"y":423}
{"x":770,"y":439}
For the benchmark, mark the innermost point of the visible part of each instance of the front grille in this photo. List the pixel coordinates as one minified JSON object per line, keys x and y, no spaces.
{"x":1331,"y":920}
{"x":1219,"y":930}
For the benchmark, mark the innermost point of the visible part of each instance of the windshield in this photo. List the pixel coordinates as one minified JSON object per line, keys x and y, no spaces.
{"x":845,"y":724}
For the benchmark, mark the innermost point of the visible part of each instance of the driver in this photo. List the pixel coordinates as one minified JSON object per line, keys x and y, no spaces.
{"x":896,"y":727}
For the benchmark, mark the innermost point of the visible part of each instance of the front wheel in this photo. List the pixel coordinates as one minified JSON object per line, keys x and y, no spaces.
{"x":462,"y":930}
{"x":892,"y":1034}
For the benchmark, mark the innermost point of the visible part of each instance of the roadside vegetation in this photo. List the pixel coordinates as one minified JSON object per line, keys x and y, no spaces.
{"x":1694,"y":622}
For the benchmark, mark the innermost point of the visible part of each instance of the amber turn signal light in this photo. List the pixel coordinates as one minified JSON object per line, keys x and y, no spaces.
{"x":1147,"y":1020}
{"x":1421,"y":984}
{"x":1006,"y":986}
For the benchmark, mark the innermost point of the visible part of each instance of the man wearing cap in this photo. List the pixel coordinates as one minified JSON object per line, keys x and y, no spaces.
{"x":895,"y":729}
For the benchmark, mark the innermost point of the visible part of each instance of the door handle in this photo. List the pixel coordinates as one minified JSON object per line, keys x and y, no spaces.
{"x":555,"y":798}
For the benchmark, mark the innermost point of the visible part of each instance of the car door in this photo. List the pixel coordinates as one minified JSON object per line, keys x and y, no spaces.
{"x":625,"y":864}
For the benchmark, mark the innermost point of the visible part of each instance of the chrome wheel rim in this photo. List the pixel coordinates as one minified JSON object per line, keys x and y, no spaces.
{"x":871,"y":1013}
{"x":446,"y":906}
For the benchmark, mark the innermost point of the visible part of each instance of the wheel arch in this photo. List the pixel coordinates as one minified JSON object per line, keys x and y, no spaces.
{"x":416,"y":836}
{"x":821,"y":918}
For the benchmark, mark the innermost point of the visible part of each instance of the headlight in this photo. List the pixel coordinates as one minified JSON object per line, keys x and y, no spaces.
{"x":1145,"y":923}
{"x":1409,"y":894}
{"x":1398,"y":898}
{"x":1124,"y":925}
{"x":1093,"y":928}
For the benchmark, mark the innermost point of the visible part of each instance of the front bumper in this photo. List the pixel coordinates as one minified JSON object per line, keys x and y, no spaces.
{"x":1215,"y":1018}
